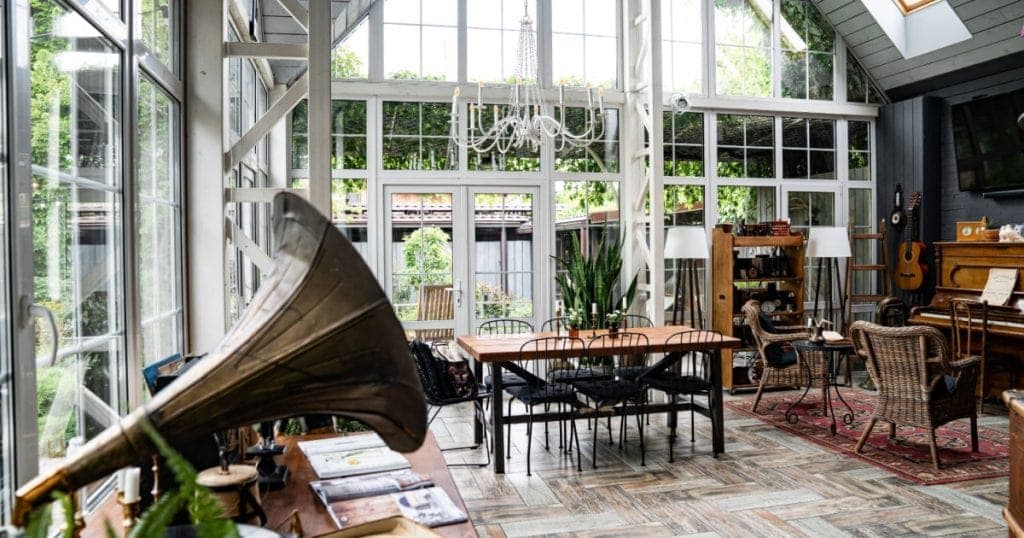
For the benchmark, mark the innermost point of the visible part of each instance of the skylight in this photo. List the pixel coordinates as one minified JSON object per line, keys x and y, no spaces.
{"x":907,"y":6}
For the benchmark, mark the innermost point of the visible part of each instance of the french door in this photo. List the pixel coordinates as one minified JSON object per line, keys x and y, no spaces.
{"x":456,"y":257}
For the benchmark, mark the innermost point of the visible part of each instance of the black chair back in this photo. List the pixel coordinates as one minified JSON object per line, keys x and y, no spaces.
{"x":554,"y":353}
{"x":504,"y":326}
{"x":553,"y":323}
{"x":444,"y":381}
{"x":634,"y":321}
{"x":633,"y":345}
{"x":695,"y":362}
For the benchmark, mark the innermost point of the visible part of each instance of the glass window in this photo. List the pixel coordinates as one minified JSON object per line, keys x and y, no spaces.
{"x":248,"y":96}
{"x":740,"y":203}
{"x":684,"y":144}
{"x":521,"y":159}
{"x":492,"y":35}
{"x":348,"y":212}
{"x":859,"y":88}
{"x":352,"y":56}
{"x":746,"y":146}
{"x":503,"y":262}
{"x":157,"y":25}
{"x":601,"y":154}
{"x":681,"y":48}
{"x":859,"y":133}
{"x":348,"y":135}
{"x":421,"y":39}
{"x":584,"y":42}
{"x":743,"y":51}
{"x":684,"y":206}
{"x":808,"y":209}
{"x":861,"y":221}
{"x":75,"y":100}
{"x":808,"y":51}
{"x":234,"y":91}
{"x":158,"y":221}
{"x":416,"y":137}
{"x":6,"y":370}
{"x":587,"y":210}
{"x":420,"y":249}
{"x":808,"y":148}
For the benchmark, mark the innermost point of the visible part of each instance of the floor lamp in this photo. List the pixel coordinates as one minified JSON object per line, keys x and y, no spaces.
{"x":828,"y":245}
{"x":687,"y":244}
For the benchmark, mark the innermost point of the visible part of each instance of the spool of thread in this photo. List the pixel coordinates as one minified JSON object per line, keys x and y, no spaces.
{"x":237,"y":491}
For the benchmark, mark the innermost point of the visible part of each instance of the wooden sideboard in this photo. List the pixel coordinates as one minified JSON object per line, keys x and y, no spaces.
{"x":1014,"y":511}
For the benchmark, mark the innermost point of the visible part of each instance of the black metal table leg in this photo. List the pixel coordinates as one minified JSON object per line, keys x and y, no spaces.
{"x":497,"y":418}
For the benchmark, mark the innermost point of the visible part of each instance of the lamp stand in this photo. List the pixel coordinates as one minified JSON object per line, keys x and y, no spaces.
{"x":678,"y":293}
{"x":832,"y":275}
{"x":696,"y":312}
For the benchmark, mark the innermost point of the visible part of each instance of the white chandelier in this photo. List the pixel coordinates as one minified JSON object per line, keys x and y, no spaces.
{"x":525,"y":122}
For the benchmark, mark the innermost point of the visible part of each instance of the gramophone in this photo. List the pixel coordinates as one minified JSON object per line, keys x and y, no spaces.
{"x":318,"y":337}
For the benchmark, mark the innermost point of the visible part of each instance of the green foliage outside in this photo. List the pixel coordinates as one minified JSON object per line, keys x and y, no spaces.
{"x":427,"y":256}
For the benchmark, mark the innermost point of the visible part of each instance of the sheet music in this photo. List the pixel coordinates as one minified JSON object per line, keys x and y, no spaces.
{"x":1000,"y":286}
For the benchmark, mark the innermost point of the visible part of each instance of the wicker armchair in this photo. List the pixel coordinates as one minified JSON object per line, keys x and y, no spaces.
{"x":910,"y":365}
{"x":790,"y":374}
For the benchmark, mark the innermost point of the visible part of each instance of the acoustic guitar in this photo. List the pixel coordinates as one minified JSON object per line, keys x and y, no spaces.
{"x":909,"y":274}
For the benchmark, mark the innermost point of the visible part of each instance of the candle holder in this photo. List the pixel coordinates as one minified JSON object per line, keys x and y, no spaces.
{"x":129,"y":513}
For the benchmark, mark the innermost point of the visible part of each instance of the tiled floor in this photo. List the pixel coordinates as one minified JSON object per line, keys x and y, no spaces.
{"x":768,"y":483}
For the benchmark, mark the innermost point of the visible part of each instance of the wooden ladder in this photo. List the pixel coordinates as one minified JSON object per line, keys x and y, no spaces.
{"x":852,"y":269}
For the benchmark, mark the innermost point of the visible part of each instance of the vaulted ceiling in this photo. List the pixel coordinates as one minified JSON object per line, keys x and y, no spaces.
{"x":995,"y":27}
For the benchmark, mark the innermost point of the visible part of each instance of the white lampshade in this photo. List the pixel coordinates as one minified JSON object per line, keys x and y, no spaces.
{"x":828,"y":243}
{"x":686,"y":242}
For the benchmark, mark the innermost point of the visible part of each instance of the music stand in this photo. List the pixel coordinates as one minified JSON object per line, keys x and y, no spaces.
{"x":828,"y":244}
{"x":689,"y":244}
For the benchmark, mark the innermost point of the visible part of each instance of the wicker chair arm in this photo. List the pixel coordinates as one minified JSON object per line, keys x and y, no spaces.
{"x":771,"y":338}
{"x":791,"y":328}
{"x":966,"y":362}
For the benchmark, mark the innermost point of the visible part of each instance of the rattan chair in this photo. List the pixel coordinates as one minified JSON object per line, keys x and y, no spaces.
{"x":911,"y":367}
{"x":785,"y":372}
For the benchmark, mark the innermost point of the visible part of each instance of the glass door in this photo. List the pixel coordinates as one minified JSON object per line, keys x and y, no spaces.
{"x":424,"y":277}
{"x":459,"y":256}
{"x":6,"y":351}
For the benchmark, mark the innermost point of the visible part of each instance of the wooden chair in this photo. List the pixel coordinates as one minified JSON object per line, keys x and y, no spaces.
{"x":435,"y":304}
{"x":969,"y":336}
{"x":772,"y":342}
{"x":911,"y":367}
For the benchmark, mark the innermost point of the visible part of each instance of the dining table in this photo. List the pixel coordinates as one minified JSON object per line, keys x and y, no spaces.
{"x":497,"y":351}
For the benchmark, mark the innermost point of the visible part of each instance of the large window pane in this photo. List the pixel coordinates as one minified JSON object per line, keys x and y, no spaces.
{"x":746,"y":146}
{"x":684,"y":206}
{"x":808,"y":51}
{"x":587,"y":210}
{"x":861,"y":221}
{"x":420,"y":39}
{"x":684,"y":144}
{"x":808,"y":149}
{"x":601,"y":153}
{"x":75,"y":99}
{"x":6,"y":418}
{"x":584,"y":42}
{"x":681,"y":49}
{"x":503,"y":264}
{"x":738,"y":204}
{"x":158,"y":221}
{"x":859,"y":133}
{"x":415,"y":137}
{"x":348,"y":135}
{"x":352,"y":56}
{"x":493,"y":38}
{"x":743,"y":30}
{"x":157,"y":24}
{"x":421,"y":251}
{"x":859,"y":88}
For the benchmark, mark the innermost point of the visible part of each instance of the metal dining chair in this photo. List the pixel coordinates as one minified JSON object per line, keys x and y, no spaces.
{"x":539,"y":391}
{"x":505,"y":326}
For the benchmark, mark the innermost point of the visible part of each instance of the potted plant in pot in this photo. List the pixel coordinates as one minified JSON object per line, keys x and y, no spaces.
{"x":594,"y":279}
{"x":574,"y":317}
{"x":613,"y":320}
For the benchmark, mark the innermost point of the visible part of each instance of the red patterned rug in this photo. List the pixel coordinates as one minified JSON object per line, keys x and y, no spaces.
{"x":907,"y":455}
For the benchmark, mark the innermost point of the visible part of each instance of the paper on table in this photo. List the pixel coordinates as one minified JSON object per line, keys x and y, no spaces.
{"x":999,"y":286}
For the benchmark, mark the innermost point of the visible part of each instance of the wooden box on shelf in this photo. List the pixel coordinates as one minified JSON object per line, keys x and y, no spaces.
{"x":775,"y":275}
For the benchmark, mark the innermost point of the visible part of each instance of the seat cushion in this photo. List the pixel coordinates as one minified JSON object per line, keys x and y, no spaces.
{"x":508,"y":379}
{"x":766,"y":323}
{"x":606,"y":392}
{"x":778,"y":357}
{"x":575,"y":375}
{"x":678,"y":384}
{"x":629,"y":372}
{"x":534,"y":395}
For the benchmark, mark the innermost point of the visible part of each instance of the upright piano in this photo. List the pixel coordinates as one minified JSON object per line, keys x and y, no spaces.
{"x":962,"y":273}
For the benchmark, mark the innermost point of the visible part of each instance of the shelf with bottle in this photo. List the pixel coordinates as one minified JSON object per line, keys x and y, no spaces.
{"x":793,"y":279}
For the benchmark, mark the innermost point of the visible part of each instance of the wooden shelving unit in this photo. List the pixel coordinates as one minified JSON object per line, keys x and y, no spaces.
{"x":730,"y":291}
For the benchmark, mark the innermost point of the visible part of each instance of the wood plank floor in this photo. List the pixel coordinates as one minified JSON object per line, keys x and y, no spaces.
{"x":768,"y":483}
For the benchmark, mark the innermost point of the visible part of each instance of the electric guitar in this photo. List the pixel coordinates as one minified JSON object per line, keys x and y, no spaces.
{"x":909,"y":274}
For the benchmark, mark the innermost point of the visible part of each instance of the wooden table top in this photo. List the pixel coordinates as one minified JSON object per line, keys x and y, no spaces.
{"x":296,"y":494}
{"x":505,"y":347}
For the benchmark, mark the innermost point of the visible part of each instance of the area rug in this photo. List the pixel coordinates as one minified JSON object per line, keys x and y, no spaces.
{"x":907,"y":455}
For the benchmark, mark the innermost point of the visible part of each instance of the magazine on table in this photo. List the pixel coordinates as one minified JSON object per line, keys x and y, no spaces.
{"x":429,"y":506}
{"x":355,"y":487}
{"x":341,"y":443}
{"x":356,"y":462}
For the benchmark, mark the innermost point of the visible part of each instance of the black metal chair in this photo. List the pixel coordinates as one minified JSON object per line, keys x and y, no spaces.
{"x":630,"y":367}
{"x":539,"y":391}
{"x":605,"y":393}
{"x":505,"y":326}
{"x":633,"y":321}
{"x":552,"y":324}
{"x":434,"y":370}
{"x":670,"y":376}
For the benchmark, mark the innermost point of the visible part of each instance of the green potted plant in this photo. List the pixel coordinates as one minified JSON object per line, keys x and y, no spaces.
{"x":574,"y":317}
{"x":594,"y":279}
{"x":613,"y":320}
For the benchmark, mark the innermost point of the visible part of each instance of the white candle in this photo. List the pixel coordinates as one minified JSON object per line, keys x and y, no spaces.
{"x":455,"y":100}
{"x":590,"y":96}
{"x":472,"y":117}
{"x":593,"y":308}
{"x":561,"y":95}
{"x":480,"y":94}
{"x":624,"y":303}
{"x":131,"y":485}
{"x":120,"y":480}
{"x":600,"y":99}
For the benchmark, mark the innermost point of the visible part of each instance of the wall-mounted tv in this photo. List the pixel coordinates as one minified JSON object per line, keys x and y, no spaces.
{"x":989,"y":144}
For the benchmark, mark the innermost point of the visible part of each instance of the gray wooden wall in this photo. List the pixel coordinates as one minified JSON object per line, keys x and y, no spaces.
{"x":915,"y":148}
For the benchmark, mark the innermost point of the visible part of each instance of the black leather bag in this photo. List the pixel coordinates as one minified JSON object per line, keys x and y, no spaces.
{"x":443,"y":379}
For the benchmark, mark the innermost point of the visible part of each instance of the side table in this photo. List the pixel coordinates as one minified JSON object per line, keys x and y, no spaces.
{"x":826,"y":353}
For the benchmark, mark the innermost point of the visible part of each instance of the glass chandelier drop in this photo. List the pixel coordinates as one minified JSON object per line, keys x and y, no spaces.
{"x":524,"y":121}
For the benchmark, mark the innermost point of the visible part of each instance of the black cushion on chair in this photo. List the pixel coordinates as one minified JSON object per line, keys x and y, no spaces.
{"x":508,"y":379}
{"x":766,"y":323}
{"x":678,"y":384}
{"x":629,"y":372}
{"x":607,"y":391}
{"x":574,"y":375}
{"x":778,"y":357}
{"x":534,"y":395}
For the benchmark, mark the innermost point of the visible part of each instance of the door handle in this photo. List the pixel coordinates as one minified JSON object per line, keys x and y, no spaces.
{"x":36,"y":310}
{"x":456,"y":291}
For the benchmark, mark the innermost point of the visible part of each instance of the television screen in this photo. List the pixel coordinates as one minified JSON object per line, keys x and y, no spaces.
{"x":989,"y":144}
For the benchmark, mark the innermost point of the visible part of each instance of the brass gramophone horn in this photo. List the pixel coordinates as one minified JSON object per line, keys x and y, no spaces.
{"x":318,"y":337}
